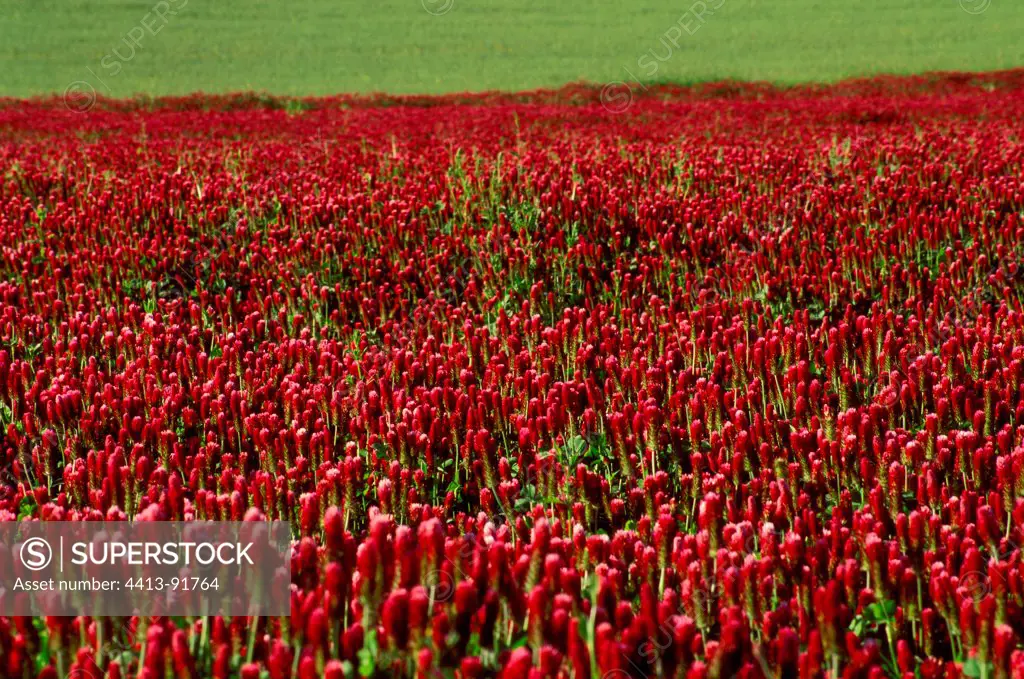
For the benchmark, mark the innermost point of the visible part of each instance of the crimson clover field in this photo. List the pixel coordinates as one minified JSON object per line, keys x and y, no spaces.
{"x":710,"y":382}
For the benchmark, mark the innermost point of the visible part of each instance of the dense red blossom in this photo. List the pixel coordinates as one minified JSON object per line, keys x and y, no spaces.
{"x":728,"y":384}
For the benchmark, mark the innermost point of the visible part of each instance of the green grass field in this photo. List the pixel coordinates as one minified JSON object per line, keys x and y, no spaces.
{"x":123,"y":47}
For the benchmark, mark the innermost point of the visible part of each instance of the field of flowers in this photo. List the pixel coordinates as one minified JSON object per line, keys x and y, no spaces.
{"x":706,"y":383}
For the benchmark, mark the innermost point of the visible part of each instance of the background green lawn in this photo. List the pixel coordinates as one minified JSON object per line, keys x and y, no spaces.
{"x":330,"y":46}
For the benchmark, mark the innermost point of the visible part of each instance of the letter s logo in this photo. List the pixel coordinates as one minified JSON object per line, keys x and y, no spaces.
{"x":36,"y":554}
